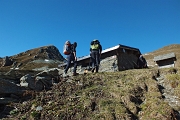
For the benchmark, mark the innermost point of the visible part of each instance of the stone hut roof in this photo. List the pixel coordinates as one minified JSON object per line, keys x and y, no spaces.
{"x":164,"y":57}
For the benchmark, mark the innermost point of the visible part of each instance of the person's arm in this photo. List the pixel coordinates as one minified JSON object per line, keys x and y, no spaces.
{"x":90,"y":49}
{"x":100,"y":49}
{"x":75,"y":55}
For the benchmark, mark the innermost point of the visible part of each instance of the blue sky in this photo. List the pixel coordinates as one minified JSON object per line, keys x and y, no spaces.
{"x":144,"y":24}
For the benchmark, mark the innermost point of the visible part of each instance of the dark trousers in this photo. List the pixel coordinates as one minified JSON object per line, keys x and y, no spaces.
{"x":69,"y":59}
{"x":95,"y":60}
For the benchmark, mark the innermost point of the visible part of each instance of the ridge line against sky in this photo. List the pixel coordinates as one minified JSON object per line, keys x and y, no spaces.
{"x":144,"y":24}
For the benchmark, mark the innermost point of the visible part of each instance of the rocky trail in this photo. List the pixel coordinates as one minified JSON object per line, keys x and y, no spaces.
{"x":168,"y":93}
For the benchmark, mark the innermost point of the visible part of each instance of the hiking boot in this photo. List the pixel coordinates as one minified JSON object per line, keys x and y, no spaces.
{"x":92,"y":70}
{"x":96,"y":70}
{"x":74,"y":74}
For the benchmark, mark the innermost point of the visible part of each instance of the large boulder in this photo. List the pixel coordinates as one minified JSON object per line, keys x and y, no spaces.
{"x":36,"y":83}
{"x":8,"y":87}
{"x":43,"y":83}
{"x":28,"y":81}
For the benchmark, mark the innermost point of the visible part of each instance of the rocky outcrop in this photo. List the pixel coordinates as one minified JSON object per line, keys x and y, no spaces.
{"x":8,"y":87}
{"x":50,"y":52}
{"x":41,"y":81}
{"x":24,"y":60}
{"x":9,"y":92}
{"x":24,"y":71}
{"x":17,"y":87}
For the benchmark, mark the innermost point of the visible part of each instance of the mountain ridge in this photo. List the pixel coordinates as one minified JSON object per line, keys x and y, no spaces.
{"x":41,"y":53}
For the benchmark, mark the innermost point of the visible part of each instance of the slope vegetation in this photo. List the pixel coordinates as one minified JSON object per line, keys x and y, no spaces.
{"x":126,"y":95}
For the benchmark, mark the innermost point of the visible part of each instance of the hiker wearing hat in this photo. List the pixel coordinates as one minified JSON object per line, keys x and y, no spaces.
{"x":70,"y":52}
{"x":95,"y":53}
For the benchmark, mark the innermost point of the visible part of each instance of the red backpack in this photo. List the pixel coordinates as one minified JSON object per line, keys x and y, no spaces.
{"x":67,"y":48}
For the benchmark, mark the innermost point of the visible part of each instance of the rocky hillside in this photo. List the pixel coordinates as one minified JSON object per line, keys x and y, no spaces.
{"x":126,"y":95}
{"x":46,"y":57}
{"x":43,"y":94}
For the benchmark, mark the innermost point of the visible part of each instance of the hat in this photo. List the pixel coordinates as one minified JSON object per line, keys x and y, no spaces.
{"x":67,"y":42}
{"x":95,"y":40}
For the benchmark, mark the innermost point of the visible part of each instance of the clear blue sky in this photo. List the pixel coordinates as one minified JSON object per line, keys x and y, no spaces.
{"x":144,"y":24}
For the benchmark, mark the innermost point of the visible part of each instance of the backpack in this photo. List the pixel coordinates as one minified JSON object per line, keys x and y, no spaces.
{"x":67,"y":48}
{"x":94,"y":45}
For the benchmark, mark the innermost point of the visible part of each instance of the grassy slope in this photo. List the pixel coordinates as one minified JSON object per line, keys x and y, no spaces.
{"x":128,"y":95}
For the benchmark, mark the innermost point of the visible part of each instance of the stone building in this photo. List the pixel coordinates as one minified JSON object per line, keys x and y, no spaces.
{"x":117,"y":58}
{"x":166,"y":60}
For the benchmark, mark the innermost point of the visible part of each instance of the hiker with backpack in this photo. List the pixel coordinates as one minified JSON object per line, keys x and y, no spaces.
{"x":70,"y":52}
{"x":95,"y":53}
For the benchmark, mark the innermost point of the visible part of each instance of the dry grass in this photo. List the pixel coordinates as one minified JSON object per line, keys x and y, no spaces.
{"x":127,"y":95}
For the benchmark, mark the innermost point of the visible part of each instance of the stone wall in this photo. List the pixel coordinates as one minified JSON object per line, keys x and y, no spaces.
{"x":109,"y":64}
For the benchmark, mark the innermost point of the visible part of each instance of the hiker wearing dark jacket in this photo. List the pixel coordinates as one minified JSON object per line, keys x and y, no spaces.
{"x":141,"y":62}
{"x":95,"y":53}
{"x":72,"y":57}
